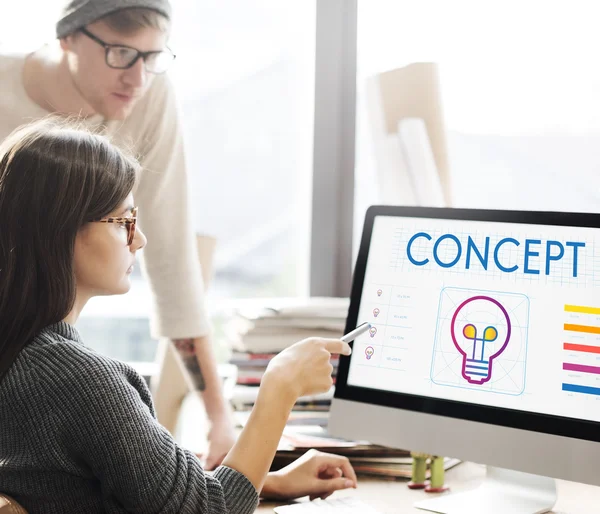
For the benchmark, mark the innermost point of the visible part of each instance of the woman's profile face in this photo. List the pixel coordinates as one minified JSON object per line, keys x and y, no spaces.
{"x":103,"y":260}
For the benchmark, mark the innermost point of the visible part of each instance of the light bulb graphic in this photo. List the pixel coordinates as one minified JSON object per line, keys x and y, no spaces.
{"x":372,"y":331}
{"x":480,"y":331}
{"x":376,"y":312}
{"x":379,"y":292}
{"x":369,"y":351}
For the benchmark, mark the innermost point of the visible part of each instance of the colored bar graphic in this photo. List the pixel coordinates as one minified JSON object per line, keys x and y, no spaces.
{"x":581,"y":348}
{"x":572,"y":388}
{"x":582,"y":310}
{"x":582,"y":368}
{"x":582,"y":328}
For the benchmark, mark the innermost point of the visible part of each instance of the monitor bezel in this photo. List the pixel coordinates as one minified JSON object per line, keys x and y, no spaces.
{"x":544,"y":423}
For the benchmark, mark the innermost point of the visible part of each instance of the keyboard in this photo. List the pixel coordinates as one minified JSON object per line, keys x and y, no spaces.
{"x":346,"y":505}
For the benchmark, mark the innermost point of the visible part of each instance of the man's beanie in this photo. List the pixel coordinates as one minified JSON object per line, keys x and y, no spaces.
{"x":76,"y":14}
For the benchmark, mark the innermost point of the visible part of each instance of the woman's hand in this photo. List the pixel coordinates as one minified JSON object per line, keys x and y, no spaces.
{"x":315,"y":474}
{"x":304,"y":368}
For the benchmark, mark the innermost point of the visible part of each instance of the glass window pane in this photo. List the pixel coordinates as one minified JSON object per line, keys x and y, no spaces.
{"x":245,"y":75}
{"x":20,"y":31}
{"x":519,"y":95}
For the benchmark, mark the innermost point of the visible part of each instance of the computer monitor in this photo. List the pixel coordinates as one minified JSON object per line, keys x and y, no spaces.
{"x":484,"y":346}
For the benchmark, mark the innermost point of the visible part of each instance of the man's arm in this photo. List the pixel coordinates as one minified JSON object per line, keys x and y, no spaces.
{"x":200,"y":364}
{"x":186,"y":348}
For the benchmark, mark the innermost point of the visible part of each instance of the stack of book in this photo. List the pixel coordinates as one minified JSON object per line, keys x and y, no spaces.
{"x":272,"y":326}
{"x":304,"y":432}
{"x":258,"y":332}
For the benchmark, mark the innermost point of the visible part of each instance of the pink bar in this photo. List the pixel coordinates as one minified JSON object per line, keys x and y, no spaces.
{"x":582,"y":368}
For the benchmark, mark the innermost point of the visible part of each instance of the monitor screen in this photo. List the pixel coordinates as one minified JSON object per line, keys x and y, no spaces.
{"x":484,"y":312}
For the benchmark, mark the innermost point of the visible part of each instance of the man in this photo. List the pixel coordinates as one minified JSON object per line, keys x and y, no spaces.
{"x":108,"y":67}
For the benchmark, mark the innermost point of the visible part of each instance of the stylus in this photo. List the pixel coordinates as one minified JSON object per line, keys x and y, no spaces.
{"x":351,"y":336}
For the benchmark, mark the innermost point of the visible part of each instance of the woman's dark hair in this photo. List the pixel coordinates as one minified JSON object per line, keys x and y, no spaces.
{"x":54,"y":178}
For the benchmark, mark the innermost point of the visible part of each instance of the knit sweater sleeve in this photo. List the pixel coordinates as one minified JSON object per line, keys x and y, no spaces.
{"x":110,"y":426}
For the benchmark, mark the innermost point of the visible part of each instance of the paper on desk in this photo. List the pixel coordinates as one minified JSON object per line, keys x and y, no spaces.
{"x":296,"y":440}
{"x":345,"y":505}
{"x":297,"y":307}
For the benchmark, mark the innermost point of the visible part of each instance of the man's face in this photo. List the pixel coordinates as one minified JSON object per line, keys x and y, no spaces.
{"x":110,"y":92}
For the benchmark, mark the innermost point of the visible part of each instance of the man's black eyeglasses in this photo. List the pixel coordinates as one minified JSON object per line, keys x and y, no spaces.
{"x":124,"y":57}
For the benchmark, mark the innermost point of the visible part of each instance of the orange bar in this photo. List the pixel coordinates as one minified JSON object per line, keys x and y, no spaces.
{"x":582,"y":328}
{"x":582,"y":348}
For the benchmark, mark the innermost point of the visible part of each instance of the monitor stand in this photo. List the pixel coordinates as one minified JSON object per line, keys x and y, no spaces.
{"x":502,"y":491}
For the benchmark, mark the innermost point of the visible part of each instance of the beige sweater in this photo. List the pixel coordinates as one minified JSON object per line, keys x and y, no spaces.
{"x":153,"y":132}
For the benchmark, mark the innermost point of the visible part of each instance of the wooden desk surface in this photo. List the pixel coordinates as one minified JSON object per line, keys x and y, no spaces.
{"x":394,"y":497}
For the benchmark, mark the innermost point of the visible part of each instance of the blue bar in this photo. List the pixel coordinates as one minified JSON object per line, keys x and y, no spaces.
{"x":581,"y":389}
{"x":470,"y":366}
{"x":469,"y":372}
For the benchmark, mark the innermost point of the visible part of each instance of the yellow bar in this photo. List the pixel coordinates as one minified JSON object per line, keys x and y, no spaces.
{"x":582,"y":310}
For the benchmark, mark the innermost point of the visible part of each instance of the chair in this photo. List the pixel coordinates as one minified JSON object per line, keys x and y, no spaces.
{"x":10,"y":506}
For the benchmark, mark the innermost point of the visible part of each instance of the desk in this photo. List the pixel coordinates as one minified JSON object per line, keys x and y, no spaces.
{"x":392,"y":497}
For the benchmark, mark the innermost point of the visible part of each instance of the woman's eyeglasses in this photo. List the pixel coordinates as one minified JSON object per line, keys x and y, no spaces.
{"x":124,"y":57}
{"x":129,"y":222}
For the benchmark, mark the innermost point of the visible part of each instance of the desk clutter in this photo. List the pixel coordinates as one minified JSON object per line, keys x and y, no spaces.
{"x":304,"y":432}
{"x":257,"y":333}
{"x":366,"y":459}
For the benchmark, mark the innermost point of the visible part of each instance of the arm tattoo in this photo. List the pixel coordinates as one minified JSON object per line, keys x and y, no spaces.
{"x":187,"y":351}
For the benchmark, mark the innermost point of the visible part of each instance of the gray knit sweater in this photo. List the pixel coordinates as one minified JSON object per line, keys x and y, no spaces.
{"x":78,"y":434}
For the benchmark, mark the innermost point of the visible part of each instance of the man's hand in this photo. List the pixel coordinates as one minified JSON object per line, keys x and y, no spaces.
{"x":221,"y":438}
{"x":315,"y":474}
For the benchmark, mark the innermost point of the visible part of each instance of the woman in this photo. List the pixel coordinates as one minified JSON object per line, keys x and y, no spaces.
{"x":78,"y":431}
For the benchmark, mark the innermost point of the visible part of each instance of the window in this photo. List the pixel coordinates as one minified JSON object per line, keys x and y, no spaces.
{"x":245,"y":78}
{"x":520,"y":95}
{"x":19,"y":31}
